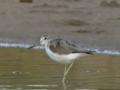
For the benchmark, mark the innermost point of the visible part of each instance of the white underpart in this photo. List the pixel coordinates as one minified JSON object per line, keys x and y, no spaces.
{"x":69,"y":58}
{"x":63,"y":58}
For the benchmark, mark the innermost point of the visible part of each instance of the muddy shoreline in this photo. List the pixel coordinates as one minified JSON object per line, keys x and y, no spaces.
{"x":93,"y":23}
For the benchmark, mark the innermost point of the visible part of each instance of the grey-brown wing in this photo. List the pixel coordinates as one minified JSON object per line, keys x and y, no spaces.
{"x":65,"y":47}
{"x":57,"y":46}
{"x":74,"y":48}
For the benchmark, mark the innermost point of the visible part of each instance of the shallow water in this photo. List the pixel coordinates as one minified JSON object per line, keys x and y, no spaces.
{"x":22,"y":69}
{"x":92,"y":23}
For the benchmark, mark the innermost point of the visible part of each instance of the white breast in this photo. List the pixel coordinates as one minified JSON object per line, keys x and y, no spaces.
{"x":63,"y":58}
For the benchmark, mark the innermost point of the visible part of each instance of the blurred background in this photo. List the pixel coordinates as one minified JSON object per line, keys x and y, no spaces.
{"x":89,"y":23}
{"x":94,"y":23}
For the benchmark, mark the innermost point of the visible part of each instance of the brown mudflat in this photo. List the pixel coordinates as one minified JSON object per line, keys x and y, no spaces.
{"x":94,"y":23}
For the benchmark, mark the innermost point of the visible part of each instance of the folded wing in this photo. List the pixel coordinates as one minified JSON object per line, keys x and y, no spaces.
{"x":66,"y":47}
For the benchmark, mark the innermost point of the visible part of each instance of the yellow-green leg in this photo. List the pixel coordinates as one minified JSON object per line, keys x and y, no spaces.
{"x":66,"y":70}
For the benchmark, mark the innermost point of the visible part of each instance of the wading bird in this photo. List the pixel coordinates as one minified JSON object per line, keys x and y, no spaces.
{"x":62,"y":51}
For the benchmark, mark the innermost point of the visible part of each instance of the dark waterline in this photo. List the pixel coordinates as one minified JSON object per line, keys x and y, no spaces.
{"x":23,"y":45}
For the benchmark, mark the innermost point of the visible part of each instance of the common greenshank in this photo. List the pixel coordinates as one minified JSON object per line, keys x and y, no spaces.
{"x":62,"y":51}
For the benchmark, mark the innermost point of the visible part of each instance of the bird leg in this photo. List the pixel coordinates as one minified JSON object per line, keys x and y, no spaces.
{"x":64,"y":77}
{"x":66,"y":70}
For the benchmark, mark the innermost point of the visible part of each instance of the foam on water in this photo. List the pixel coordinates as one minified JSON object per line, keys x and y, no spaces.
{"x":17,"y":45}
{"x":105,"y":52}
{"x":23,"y":45}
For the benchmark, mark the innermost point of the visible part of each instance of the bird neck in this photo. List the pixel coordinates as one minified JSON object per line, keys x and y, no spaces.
{"x":47,"y":47}
{"x":47,"y":44}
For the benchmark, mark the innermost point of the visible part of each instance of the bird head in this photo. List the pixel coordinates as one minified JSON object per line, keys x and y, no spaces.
{"x":44,"y":40}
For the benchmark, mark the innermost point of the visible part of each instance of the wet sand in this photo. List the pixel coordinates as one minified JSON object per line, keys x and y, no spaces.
{"x":91,"y":23}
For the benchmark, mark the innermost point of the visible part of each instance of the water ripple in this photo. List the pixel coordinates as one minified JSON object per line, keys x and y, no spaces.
{"x":106,"y":52}
{"x":17,"y":45}
{"x":23,"y":45}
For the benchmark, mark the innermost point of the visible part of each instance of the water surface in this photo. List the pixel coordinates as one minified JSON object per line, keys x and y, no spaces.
{"x":22,"y":69}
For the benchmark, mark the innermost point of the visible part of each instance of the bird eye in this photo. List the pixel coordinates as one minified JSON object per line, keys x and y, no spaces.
{"x":45,"y":38}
